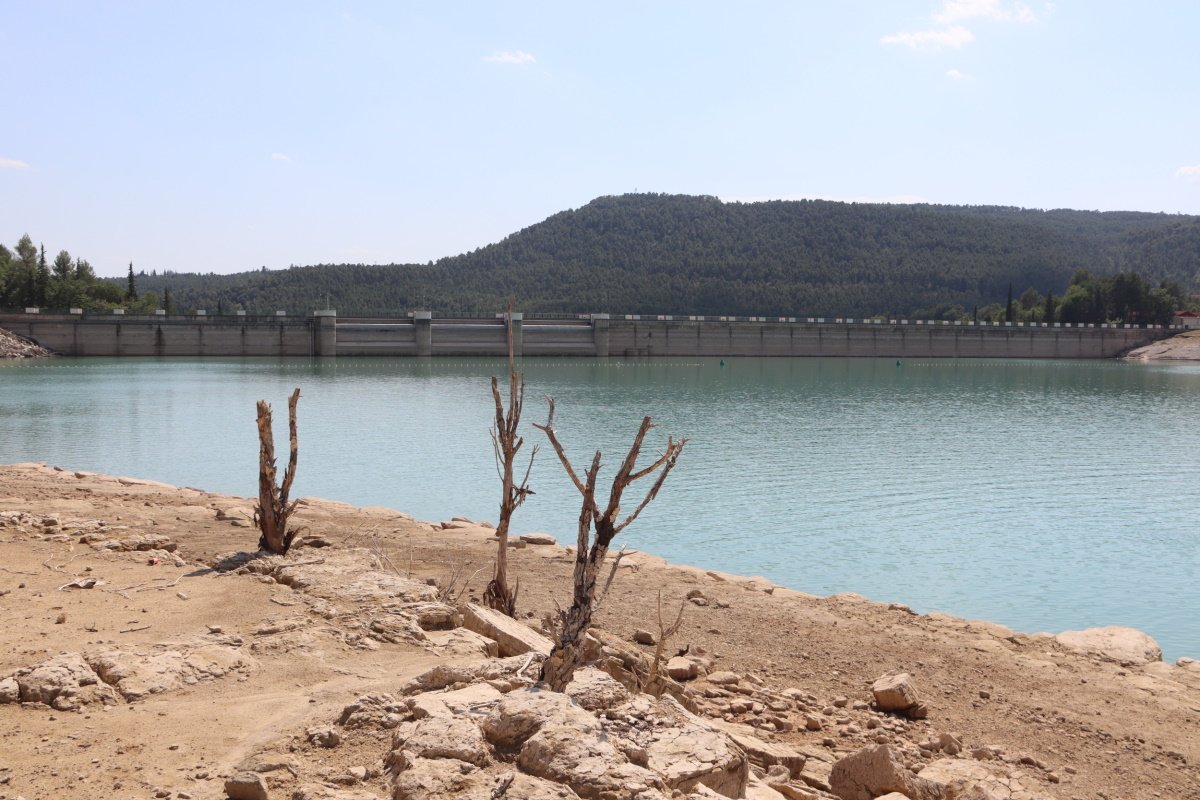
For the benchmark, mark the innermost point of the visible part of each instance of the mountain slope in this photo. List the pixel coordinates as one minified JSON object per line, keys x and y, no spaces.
{"x":684,"y":254}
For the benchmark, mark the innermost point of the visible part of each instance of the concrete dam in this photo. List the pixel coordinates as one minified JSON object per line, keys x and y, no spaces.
{"x":421,"y":334}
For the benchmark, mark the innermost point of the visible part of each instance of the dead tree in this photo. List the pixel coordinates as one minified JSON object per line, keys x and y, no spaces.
{"x":597,"y":528}
{"x":506,"y":443}
{"x":653,"y":682}
{"x":273,"y":509}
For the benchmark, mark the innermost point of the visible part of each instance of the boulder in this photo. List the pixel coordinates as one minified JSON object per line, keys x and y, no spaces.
{"x":323,"y":736}
{"x":682,"y":668}
{"x":311,"y":791}
{"x":246,"y":786}
{"x":443,"y":675}
{"x":763,"y":754}
{"x":439,"y":737}
{"x":596,"y":690}
{"x":462,"y":642}
{"x":470,"y":699}
{"x":542,"y":539}
{"x":962,"y":779}
{"x":521,"y":714}
{"x":513,"y":638}
{"x":10,"y":692}
{"x":687,"y":751}
{"x":137,"y":674}
{"x":724,"y":678}
{"x":873,"y":771}
{"x":1125,"y":645}
{"x":425,"y":779}
{"x":895,"y":692}
{"x":66,"y":683}
{"x":586,"y":761}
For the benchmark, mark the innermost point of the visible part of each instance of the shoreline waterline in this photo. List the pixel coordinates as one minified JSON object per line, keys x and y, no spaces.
{"x":755,"y":582}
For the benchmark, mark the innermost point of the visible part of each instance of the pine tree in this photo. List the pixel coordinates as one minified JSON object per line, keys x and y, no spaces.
{"x":41,"y":279}
{"x":1008,"y":308}
{"x":131,"y":292}
{"x":1048,"y":313}
{"x":168,"y":303}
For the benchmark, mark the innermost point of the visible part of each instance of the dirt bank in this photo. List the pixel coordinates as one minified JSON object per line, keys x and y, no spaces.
{"x":1182,"y":347}
{"x":155,"y":675}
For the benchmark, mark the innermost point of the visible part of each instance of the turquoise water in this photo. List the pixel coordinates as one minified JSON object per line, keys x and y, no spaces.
{"x":1040,"y":494}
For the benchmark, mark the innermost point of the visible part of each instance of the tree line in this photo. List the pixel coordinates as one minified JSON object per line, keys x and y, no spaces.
{"x":27,"y":279}
{"x":698,"y":255}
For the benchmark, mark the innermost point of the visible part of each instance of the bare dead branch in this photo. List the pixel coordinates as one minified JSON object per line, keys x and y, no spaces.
{"x":273,"y":509}
{"x":595,"y":533}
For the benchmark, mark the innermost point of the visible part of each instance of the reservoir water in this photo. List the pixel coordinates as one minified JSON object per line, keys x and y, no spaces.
{"x":1045,"y":495}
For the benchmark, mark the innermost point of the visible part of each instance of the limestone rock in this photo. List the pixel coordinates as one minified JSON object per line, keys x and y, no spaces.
{"x":542,"y":539}
{"x":874,"y":771}
{"x":521,"y":714}
{"x":527,"y":787}
{"x":311,"y":791}
{"x":644,"y":637}
{"x":425,"y":779}
{"x":895,"y":692}
{"x":763,"y":754}
{"x":10,"y":692}
{"x":396,"y":629}
{"x":513,"y":638}
{"x":462,"y":642}
{"x":476,"y":698}
{"x":433,"y":616}
{"x":596,"y":690}
{"x":246,"y":786}
{"x":137,"y":674}
{"x":438,"y":737}
{"x":972,"y":780}
{"x":724,"y":678}
{"x":682,"y":668}
{"x":323,"y":736}
{"x":1126,"y":645}
{"x":65,"y":682}
{"x":687,"y":752}
{"x":443,"y":675}
{"x":586,"y":761}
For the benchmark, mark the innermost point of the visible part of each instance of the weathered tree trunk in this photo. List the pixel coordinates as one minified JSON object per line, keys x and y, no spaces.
{"x":591,"y":550}
{"x":506,"y":443}
{"x":273,"y":510}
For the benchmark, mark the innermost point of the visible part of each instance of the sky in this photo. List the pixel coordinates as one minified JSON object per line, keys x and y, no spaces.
{"x":227,"y":136}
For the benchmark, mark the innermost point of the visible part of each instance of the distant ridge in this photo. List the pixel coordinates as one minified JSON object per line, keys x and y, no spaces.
{"x":681,"y":254}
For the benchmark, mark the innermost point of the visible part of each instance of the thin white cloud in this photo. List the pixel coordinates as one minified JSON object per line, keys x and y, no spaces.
{"x":506,"y":57}
{"x":955,"y":74}
{"x":12,"y":163}
{"x":948,"y":18}
{"x":954,"y":37}
{"x":1192,"y":171}
{"x":953,"y":11}
{"x":280,"y":157}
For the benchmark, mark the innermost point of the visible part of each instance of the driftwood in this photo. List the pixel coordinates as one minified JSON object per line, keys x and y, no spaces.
{"x":571,"y":625}
{"x":273,"y":509}
{"x":506,"y":443}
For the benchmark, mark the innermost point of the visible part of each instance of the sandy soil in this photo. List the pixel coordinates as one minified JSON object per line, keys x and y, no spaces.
{"x":1098,"y":728}
{"x":1182,"y":347}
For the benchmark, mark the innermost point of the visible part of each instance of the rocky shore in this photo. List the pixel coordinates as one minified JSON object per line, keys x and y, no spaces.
{"x":148,"y":652}
{"x":13,"y":346}
{"x":1181,"y":347}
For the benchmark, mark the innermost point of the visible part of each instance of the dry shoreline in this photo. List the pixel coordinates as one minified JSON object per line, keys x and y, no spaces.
{"x":1099,"y":726}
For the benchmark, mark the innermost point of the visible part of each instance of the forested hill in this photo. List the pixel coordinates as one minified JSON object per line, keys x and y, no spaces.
{"x":699,"y":255}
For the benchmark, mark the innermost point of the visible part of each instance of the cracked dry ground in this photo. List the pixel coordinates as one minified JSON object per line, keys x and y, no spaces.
{"x":184,"y":675}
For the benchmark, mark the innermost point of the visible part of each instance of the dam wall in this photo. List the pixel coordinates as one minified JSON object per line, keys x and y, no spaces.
{"x":598,"y":335}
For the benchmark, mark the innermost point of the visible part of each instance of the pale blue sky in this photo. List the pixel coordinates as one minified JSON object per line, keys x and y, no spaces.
{"x":223,"y":136}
